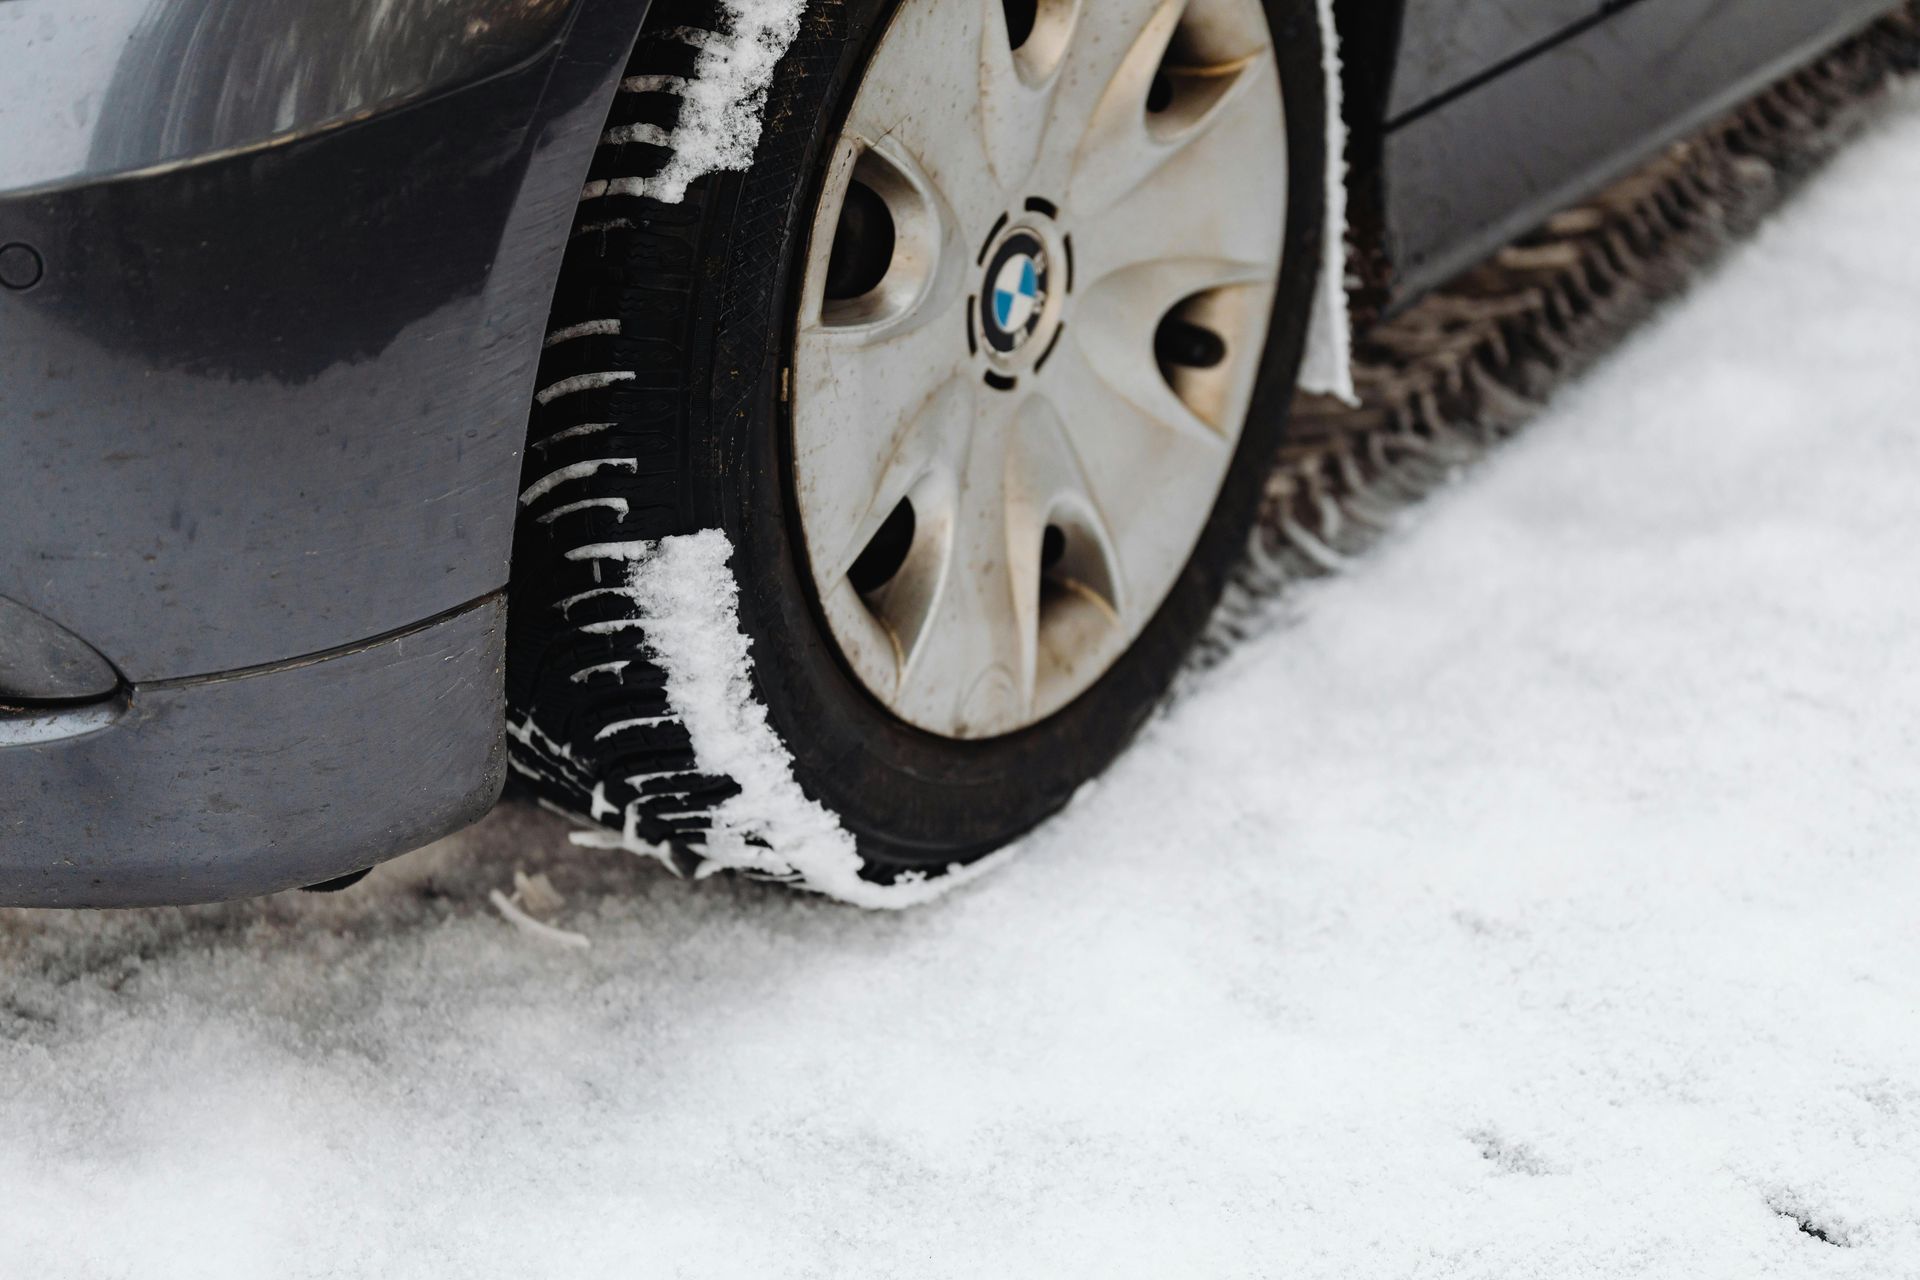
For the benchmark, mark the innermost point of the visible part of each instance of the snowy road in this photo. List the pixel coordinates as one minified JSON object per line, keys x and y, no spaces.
{"x":1541,"y":899}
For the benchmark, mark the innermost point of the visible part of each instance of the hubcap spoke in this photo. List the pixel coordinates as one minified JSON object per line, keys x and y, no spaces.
{"x":925,"y":99}
{"x":1132,"y":463}
{"x":1018,"y":85}
{"x":1124,"y":143}
{"x":1105,"y":38}
{"x":971,"y":663}
{"x":1069,"y":581}
{"x":1048,"y":488}
{"x":1122,"y":315}
{"x":1157,"y":213}
{"x":928,"y":445}
{"x":892,"y":406}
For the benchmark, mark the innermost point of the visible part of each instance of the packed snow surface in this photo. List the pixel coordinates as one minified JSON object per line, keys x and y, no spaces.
{"x":1538,"y":899}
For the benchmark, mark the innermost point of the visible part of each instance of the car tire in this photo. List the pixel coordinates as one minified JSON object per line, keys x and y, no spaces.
{"x":661,"y":471}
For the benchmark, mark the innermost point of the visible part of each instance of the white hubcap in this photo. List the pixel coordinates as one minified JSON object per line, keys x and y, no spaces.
{"x":1035,"y":300}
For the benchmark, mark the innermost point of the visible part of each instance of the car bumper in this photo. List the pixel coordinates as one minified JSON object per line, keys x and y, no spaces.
{"x":258,"y":780}
{"x":268,"y":399}
{"x":262,"y":404}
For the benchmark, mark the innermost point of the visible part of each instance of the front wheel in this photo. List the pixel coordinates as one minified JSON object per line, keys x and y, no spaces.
{"x":875,"y":493}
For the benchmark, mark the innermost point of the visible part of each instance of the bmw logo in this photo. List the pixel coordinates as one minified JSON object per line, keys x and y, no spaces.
{"x":1015,"y":293}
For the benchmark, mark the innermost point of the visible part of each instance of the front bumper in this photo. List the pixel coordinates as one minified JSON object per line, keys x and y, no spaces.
{"x":261,"y":412}
{"x":259,"y":780}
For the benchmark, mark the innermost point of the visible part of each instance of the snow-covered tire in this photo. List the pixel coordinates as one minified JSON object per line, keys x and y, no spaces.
{"x":670,"y":675}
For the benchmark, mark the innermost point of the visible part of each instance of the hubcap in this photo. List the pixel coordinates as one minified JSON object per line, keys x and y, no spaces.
{"x":1035,"y":300}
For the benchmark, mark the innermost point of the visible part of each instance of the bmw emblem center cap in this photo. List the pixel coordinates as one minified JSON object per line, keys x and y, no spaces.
{"x":1014,"y":297}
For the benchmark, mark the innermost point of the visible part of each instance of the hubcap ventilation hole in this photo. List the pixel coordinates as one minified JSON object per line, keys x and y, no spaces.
{"x":886,"y":240}
{"x":1020,"y":19}
{"x":862,"y":244}
{"x":1192,"y":351}
{"x":1037,"y":34}
{"x":883,"y":556}
{"x":1180,"y":344}
{"x":1160,"y":92}
{"x":1053,"y":545}
{"x":1195,"y":73}
{"x":1079,"y":598}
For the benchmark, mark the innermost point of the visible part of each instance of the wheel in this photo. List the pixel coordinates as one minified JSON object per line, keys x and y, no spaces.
{"x":874,"y":493}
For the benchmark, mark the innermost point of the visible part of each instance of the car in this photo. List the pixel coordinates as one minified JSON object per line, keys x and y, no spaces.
{"x":795,"y":438}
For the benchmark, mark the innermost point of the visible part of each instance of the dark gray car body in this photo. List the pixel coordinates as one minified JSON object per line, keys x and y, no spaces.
{"x":268,"y":333}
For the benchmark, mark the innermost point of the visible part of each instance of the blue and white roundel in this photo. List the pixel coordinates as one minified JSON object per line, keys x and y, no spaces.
{"x":1016,"y":293}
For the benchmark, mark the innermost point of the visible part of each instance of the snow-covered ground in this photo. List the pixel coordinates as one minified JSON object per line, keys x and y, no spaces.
{"x":1541,"y":899}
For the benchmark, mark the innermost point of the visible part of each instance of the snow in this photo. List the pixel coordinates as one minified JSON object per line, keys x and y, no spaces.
{"x":1326,"y":365}
{"x":685,"y":595}
{"x":719,"y":124}
{"x":1536,"y":901}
